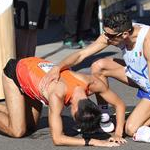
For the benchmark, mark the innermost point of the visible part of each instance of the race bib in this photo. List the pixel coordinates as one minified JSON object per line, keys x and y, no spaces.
{"x":46,"y":66}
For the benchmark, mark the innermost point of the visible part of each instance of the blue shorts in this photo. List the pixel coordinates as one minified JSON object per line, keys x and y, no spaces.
{"x":142,"y":94}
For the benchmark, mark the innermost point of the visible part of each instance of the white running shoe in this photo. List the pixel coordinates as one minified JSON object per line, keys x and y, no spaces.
{"x":107,"y":127}
{"x":142,"y":134}
{"x":106,"y":124}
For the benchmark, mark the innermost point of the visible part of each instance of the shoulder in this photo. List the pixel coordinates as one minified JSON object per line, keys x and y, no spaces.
{"x":56,"y":97}
{"x":147,"y":38}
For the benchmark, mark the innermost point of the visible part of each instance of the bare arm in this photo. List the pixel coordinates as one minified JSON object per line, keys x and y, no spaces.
{"x":55,"y":122}
{"x":56,"y":127}
{"x":112,"y":98}
{"x":119,"y":106}
{"x":79,"y":56}
{"x":74,"y":59}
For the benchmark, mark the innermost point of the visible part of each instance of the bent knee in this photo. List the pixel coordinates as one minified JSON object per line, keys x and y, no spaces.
{"x":130,"y":129}
{"x":99,"y":65}
{"x":18,"y":133}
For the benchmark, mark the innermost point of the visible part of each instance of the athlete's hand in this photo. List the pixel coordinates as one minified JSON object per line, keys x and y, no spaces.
{"x":117,"y":139}
{"x":52,"y":75}
{"x":103,"y":143}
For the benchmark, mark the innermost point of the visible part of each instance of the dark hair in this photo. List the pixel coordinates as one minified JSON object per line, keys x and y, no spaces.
{"x":88,"y":116}
{"x":118,"y":21}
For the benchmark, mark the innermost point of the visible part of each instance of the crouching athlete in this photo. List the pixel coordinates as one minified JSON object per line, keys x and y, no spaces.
{"x":24,"y":99}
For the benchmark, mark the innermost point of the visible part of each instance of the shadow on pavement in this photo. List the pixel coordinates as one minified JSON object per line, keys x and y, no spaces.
{"x":70,"y":127}
{"x":54,"y":52}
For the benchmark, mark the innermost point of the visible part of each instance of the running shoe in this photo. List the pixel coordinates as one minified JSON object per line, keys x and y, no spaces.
{"x":106,"y":124}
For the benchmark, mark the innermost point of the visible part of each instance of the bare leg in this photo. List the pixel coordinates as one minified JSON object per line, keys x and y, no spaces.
{"x":33,"y":111}
{"x":147,"y":123}
{"x":106,"y":66}
{"x":110,"y":67}
{"x":13,"y":123}
{"x":3,"y":108}
{"x":22,"y":113}
{"x":140,"y":116}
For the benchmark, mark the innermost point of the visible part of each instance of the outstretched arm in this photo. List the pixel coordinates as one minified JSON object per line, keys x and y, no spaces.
{"x":74,"y":59}
{"x":56,"y":127}
{"x":119,"y":106}
{"x":79,"y":56}
{"x":112,"y":98}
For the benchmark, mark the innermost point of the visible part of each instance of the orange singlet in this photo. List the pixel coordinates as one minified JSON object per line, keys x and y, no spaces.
{"x":31,"y":70}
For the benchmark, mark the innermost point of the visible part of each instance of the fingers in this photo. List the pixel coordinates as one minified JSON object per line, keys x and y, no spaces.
{"x":113,"y":144}
{"x":104,"y":143}
{"x":119,"y":140}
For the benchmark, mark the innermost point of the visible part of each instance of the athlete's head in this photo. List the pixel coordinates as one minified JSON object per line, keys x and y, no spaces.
{"x":116,"y":26}
{"x":88,"y":116}
{"x":118,"y":21}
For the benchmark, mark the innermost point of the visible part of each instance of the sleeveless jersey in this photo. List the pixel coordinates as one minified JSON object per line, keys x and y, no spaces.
{"x":136,"y":64}
{"x":31,"y":70}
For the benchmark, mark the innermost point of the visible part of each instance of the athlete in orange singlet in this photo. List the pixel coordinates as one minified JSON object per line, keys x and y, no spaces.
{"x":24,"y":97}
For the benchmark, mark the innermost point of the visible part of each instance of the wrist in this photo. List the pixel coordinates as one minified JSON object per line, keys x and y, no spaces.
{"x":119,"y":131}
{"x":118,"y":134}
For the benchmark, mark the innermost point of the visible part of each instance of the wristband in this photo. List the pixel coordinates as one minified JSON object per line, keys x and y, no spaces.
{"x":87,"y":140}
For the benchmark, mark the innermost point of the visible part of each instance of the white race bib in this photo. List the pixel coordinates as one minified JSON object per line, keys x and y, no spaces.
{"x":46,"y":66}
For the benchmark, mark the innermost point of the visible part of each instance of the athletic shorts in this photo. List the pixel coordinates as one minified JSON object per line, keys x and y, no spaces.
{"x":142,"y":94}
{"x":10,"y":71}
{"x":31,"y":14}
